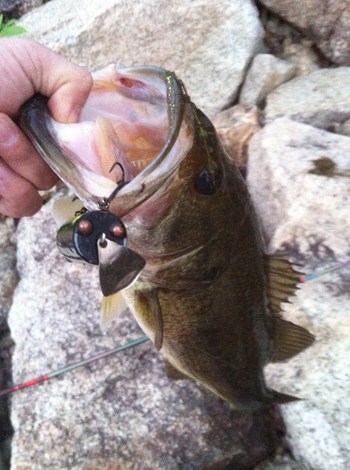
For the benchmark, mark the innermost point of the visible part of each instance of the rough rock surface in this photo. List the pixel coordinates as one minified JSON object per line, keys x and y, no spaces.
{"x":8,"y":281}
{"x":266,"y":73}
{"x":17,"y":8}
{"x":302,"y":55}
{"x":321,"y":99}
{"x":306,"y":213}
{"x":326,"y":22}
{"x":206,"y":44}
{"x":8,"y":275}
{"x":121,"y":413}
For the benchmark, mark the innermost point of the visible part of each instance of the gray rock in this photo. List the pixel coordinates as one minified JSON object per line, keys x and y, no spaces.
{"x":345,"y":128}
{"x":17,"y":8}
{"x":209,"y":46}
{"x":306,"y":213}
{"x":302,"y":55}
{"x":286,"y":43}
{"x":321,"y":99}
{"x":121,"y":413}
{"x":265,"y":74}
{"x":8,"y":282}
{"x":8,"y":274}
{"x":326,"y":22}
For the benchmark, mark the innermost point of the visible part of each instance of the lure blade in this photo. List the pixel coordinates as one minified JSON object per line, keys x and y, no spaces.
{"x":119,"y":266}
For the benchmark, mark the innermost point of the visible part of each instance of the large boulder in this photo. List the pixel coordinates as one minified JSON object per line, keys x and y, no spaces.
{"x":299,"y":180}
{"x":265,"y":74}
{"x":208,"y":45}
{"x":321,"y":99}
{"x":326,"y":22}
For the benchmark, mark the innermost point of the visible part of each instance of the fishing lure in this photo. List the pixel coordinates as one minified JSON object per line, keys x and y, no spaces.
{"x":99,"y":237}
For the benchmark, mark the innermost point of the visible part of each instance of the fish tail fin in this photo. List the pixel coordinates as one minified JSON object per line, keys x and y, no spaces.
{"x":279,"y":397}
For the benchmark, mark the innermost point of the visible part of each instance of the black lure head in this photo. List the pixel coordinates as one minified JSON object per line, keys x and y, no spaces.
{"x":99,"y":237}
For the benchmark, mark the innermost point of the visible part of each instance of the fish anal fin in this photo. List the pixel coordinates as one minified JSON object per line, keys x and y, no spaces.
{"x":283,"y":280}
{"x":112,"y":306}
{"x":279,"y":397}
{"x":172,"y":372}
{"x":289,"y":340}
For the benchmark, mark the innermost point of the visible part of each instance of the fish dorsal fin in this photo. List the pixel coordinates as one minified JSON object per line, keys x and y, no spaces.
{"x":282,"y":281}
{"x":289,"y":340}
{"x":111,"y":307}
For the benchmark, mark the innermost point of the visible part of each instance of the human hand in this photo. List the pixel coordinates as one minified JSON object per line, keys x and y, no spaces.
{"x":28,"y":68}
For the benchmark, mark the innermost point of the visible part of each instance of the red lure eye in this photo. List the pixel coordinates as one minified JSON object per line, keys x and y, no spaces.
{"x":117,"y":231}
{"x":84,"y":227}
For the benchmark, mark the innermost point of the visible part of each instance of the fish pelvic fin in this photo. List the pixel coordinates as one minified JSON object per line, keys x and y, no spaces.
{"x":158,"y":318}
{"x":289,"y":340}
{"x":150,"y":310}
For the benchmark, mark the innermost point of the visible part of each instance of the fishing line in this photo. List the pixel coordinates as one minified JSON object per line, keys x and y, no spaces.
{"x":74,"y":365}
{"x":337,"y":267}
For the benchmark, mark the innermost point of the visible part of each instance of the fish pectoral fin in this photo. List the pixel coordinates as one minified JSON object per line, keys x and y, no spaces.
{"x":111,"y":307}
{"x":282,"y":279}
{"x":172,"y":372}
{"x":289,"y":340}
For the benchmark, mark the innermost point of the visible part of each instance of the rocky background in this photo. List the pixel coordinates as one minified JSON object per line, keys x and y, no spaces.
{"x":281,"y":71}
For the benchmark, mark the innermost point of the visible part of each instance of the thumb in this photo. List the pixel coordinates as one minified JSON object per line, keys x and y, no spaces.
{"x":68,"y":91}
{"x":67,"y":85}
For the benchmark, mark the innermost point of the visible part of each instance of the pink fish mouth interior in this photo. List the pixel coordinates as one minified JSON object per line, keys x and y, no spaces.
{"x":122,"y":128}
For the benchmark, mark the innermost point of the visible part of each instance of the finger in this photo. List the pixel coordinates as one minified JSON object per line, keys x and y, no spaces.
{"x":18,"y":197}
{"x":21,"y":157}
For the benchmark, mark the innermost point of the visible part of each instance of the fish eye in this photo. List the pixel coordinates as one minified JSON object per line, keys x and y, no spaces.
{"x":207,"y":182}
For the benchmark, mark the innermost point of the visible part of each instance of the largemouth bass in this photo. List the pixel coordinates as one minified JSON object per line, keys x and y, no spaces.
{"x":194,"y":269}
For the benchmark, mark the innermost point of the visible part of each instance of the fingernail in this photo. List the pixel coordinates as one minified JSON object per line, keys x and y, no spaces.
{"x":67,"y":116}
{"x":74,"y":114}
{"x":8,"y":132}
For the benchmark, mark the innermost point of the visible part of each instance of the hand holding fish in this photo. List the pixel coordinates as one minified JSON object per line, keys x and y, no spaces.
{"x":28,"y":68}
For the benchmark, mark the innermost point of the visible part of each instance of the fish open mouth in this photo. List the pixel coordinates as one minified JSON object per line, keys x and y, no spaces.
{"x":132,"y":122}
